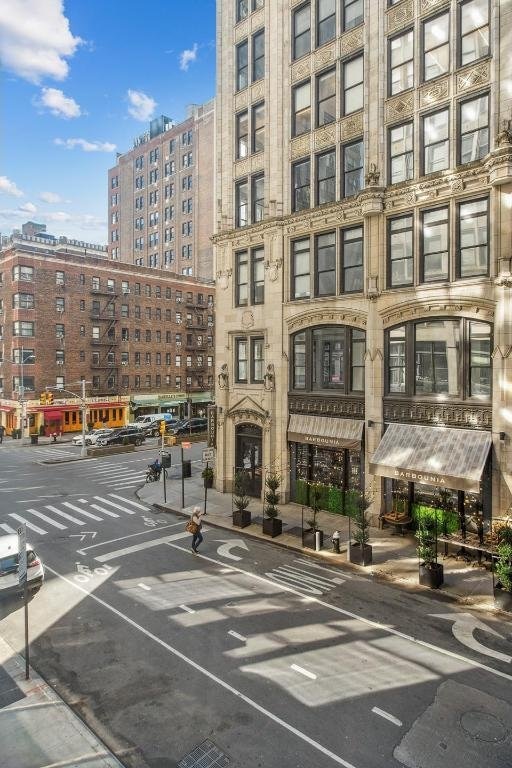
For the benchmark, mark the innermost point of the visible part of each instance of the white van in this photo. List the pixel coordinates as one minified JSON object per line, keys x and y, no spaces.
{"x":150,"y":422}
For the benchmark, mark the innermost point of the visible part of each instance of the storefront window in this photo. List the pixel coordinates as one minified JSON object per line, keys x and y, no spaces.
{"x":328,"y":358}
{"x":299,"y":361}
{"x":480,"y":360}
{"x":397,"y":359}
{"x":336,"y":471}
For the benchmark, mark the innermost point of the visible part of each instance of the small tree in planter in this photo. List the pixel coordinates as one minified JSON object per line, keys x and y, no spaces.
{"x":503,"y":586}
{"x":241,"y":515}
{"x":431,"y":573}
{"x":207,"y":475}
{"x":272,"y":525}
{"x":309,"y":535}
{"x":360,"y":552}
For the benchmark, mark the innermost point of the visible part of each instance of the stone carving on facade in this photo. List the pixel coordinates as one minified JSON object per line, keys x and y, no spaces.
{"x":400,"y":15}
{"x":257,"y":162}
{"x":399,"y":106}
{"x":247,"y":319}
{"x":325,"y":137}
{"x":417,"y":308}
{"x":504,"y":137}
{"x":456,"y":415}
{"x":324,"y":56}
{"x":372,"y":177}
{"x":258,"y":90}
{"x":426,"y":6}
{"x":474,"y":77}
{"x":347,"y":407}
{"x":504,"y":280}
{"x":242,"y":167}
{"x":272,"y":268}
{"x":373,"y":354}
{"x":257,"y":19}
{"x":223,"y":278}
{"x":326,"y":317}
{"x":223,"y":377}
{"x":431,"y":94}
{"x":372,"y":201}
{"x":351,"y":41}
{"x":269,"y":379}
{"x":351,"y":126}
{"x":241,"y":99}
{"x":456,"y":185}
{"x":498,"y":352}
{"x":300,"y":146}
{"x":295,"y":2}
{"x":248,"y":410}
{"x":241,"y":30}
{"x":301,"y":69}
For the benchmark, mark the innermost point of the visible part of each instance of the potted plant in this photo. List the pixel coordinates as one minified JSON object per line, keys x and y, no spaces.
{"x":431,"y":573}
{"x":503,"y":586}
{"x":241,"y":515}
{"x":207,"y":475}
{"x":309,"y":535}
{"x":360,"y":552}
{"x":272,"y":525}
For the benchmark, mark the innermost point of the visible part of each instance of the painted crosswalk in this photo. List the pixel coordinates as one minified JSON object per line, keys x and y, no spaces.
{"x":308,"y":577}
{"x":66,"y":515}
{"x":116,"y":476}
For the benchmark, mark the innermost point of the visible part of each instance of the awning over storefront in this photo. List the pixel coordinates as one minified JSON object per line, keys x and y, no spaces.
{"x":327,"y":432}
{"x":52,"y":415}
{"x":449,"y":458}
{"x":170,"y":403}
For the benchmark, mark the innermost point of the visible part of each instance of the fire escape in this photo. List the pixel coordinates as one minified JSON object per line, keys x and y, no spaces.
{"x":104,"y":358}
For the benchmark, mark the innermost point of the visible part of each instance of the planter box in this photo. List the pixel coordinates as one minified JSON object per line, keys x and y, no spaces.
{"x":208,"y":482}
{"x":432,"y":576}
{"x":108,"y":450}
{"x":308,"y":538}
{"x":272,"y":526}
{"x":360,"y":555}
{"x":502,"y":598}
{"x":242,"y":519}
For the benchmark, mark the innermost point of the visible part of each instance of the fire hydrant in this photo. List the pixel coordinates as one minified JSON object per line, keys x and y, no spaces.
{"x":336,"y":542}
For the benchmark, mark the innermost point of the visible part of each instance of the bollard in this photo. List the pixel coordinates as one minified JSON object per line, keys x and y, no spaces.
{"x":317,"y":541}
{"x":336,"y":542}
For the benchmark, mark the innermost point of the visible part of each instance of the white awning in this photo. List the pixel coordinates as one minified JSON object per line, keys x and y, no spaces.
{"x":323,"y":431}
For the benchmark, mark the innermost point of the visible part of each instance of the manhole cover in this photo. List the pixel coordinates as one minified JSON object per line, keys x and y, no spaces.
{"x":483,"y":726}
{"x":205,"y":755}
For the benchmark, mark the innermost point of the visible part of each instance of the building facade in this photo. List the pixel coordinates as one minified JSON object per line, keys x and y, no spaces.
{"x":161,"y":196}
{"x":141,"y":338}
{"x":363,"y":249}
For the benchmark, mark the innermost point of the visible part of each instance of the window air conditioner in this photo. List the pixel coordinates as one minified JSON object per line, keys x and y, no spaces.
{"x":126,"y":291}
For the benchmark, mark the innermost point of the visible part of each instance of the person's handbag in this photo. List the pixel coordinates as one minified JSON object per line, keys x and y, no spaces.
{"x":192,"y":527}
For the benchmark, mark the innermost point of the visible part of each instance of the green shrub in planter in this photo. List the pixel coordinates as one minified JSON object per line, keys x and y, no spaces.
{"x":301,"y":492}
{"x":241,"y":515}
{"x":335,"y":501}
{"x":271,"y":525}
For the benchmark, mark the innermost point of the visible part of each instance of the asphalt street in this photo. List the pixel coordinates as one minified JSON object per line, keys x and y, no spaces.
{"x":260,"y":656}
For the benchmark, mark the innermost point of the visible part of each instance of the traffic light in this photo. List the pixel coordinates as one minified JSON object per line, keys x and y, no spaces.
{"x":162,"y":427}
{"x":42,"y":398}
{"x":49,"y":398}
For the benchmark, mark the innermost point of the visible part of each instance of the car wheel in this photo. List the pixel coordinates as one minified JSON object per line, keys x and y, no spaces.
{"x":88,"y":442}
{"x":35,"y":590}
{"x":138,"y":442}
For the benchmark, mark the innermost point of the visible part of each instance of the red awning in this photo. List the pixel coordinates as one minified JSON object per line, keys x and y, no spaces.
{"x":6,"y":409}
{"x":53,"y":415}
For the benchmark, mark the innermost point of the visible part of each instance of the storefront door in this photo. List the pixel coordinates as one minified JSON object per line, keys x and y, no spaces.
{"x":248,"y":455}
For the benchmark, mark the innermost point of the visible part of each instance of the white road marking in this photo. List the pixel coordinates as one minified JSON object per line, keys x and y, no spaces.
{"x":303,"y":671}
{"x":7,"y":528}
{"x":112,"y":504}
{"x":144,"y":586}
{"x":321,"y":567}
{"x":83,"y":501}
{"x":46,"y":519}
{"x":131,"y":535}
{"x":64,"y":515}
{"x":313,"y":578}
{"x":81,"y":511}
{"x":29,"y":525}
{"x":463,"y":626}
{"x":25,"y":488}
{"x":237,"y":636}
{"x":129,"y":501}
{"x":187,"y":609}
{"x":391,"y":718}
{"x":144,"y":545}
{"x":42,"y":496}
{"x":105,"y":511}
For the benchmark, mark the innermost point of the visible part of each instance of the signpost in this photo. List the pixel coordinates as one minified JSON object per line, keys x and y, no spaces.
{"x":182,"y":446}
{"x":208,"y":455}
{"x":22,"y":579}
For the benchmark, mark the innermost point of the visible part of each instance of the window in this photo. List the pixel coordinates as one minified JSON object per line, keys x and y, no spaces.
{"x":301,"y":185}
{"x":474,"y":129}
{"x":401,"y":63}
{"x":242,"y":134}
{"x":59,"y":356}
{"x":242,"y":279}
{"x":23,"y":301}
{"x":435,"y":244}
{"x":301,"y":31}
{"x":59,"y":331}
{"x":473,"y":239}
{"x":353,"y":91}
{"x":22,"y":272}
{"x":29,"y":357}
{"x":258,"y":55}
{"x":326,"y":98}
{"x":301,"y":109}
{"x":242,"y":66}
{"x":300,"y":269}
{"x":326,"y":21}
{"x":249,"y":369}
{"x":479,"y":360}
{"x":400,"y":245}
{"x":82,"y":305}
{"x":22,"y":328}
{"x":258,"y":127}
{"x":353,"y":13}
{"x":59,"y":278}
{"x":241,"y":203}
{"x":153,"y":176}
{"x":396,"y":360}
{"x":257,"y":197}
{"x":257,"y":276}
{"x":335,"y":356}
{"x":326,"y":177}
{"x":353,"y":162}
{"x":401,"y":155}
{"x":257,"y":359}
{"x":242,"y":9}
{"x":351,"y":267}
{"x":436,"y":46}
{"x":474,"y":31}
{"x":436,"y":140}
{"x":325,"y":267}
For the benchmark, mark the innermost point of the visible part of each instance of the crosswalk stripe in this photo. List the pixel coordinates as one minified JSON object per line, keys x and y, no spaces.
{"x":129,"y":501}
{"x":64,"y":515}
{"x":313,"y":578}
{"x":103,"y":471}
{"x":47,"y":519}
{"x":112,"y":504}
{"x":7,"y":528}
{"x":128,"y":478}
{"x":81,"y":511}
{"x":105,"y":511}
{"x":32,"y":527}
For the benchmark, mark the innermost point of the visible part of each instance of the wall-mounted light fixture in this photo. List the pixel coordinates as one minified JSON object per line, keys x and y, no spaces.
{"x":502,"y":436}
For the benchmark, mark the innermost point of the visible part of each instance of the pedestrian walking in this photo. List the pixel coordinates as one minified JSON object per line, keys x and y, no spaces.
{"x":2,"y":430}
{"x":194,"y":527}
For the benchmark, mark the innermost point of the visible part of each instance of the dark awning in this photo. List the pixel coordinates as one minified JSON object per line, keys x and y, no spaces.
{"x":450,"y":458}
{"x":329,"y":432}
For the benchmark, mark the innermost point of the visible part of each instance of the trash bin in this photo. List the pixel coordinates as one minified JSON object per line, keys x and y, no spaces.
{"x":34,"y":439}
{"x":166,"y":460}
{"x":336,"y":542}
{"x":187,"y":468}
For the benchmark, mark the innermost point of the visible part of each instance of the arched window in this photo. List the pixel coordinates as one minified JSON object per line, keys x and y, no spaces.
{"x":329,"y":357}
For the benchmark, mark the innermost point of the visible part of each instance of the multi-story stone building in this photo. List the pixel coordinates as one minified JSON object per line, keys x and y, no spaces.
{"x":141,"y":338}
{"x":363,"y":248}
{"x":161,"y":195}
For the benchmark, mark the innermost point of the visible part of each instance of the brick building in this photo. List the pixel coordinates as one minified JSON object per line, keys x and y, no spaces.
{"x":141,"y":338}
{"x":161,"y":195}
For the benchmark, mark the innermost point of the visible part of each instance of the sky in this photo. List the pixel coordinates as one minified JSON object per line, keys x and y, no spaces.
{"x":80,"y":79}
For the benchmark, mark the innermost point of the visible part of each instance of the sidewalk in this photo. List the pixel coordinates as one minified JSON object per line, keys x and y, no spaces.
{"x":37,"y":730}
{"x":394,"y":557}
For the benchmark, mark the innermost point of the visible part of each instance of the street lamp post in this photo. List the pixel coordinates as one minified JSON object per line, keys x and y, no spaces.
{"x":83,"y":409}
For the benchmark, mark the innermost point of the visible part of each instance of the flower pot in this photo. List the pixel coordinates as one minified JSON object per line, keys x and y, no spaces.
{"x":272,"y":526}
{"x":431,"y":575}
{"x":309,"y":539}
{"x":502,"y":598}
{"x":241,"y":519}
{"x":360,"y":555}
{"x":208,"y":482}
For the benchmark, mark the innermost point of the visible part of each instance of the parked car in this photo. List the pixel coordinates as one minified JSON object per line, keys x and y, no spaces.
{"x":150,"y":422}
{"x":121,"y":436}
{"x":153,"y":428}
{"x":9,"y":552}
{"x":92,"y":437}
{"x":186,"y":426}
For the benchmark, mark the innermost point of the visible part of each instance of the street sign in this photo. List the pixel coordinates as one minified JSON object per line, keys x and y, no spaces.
{"x":209,"y":454}
{"x":186,"y":445}
{"x":22,"y":554}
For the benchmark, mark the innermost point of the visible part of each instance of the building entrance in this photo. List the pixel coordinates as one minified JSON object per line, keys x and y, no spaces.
{"x":248,"y":456}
